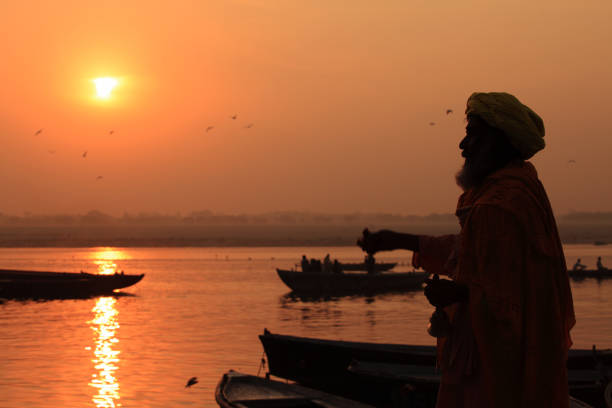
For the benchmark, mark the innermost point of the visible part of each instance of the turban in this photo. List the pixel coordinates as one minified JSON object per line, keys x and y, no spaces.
{"x":522,"y":126}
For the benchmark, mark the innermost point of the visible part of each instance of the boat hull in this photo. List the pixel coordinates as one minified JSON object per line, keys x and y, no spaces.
{"x":315,"y":283}
{"x":324,"y":364}
{"x":18,"y":284}
{"x":379,"y":267}
{"x":590,"y":273}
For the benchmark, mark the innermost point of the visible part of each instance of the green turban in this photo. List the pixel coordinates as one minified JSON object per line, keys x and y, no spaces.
{"x":522,"y":126}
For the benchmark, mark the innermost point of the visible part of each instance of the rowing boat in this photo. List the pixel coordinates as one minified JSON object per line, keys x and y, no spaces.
{"x":21,"y":284}
{"x":319,"y":283}
{"x":237,"y":390}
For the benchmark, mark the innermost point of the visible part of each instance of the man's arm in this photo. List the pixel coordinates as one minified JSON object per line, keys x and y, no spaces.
{"x":387,"y":240}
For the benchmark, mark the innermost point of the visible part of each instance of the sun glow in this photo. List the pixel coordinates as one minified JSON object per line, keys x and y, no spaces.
{"x":104,"y":86}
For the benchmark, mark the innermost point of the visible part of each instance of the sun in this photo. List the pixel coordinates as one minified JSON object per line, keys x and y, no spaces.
{"x":104,"y":86}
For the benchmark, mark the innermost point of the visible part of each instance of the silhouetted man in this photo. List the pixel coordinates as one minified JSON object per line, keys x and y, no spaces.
{"x":509,"y":301}
{"x":578,"y":266}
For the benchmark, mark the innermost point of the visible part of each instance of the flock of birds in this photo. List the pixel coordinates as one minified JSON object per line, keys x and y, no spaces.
{"x":233,"y":117}
{"x":110,"y":132}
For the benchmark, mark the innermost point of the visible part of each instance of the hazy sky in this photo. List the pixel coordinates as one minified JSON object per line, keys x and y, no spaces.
{"x":340,"y":95}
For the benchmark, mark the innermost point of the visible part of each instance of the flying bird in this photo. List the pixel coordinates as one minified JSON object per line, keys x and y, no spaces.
{"x":51,"y":151}
{"x":209,"y":128}
{"x":432,"y":123}
{"x":99,"y":178}
{"x":571,"y":161}
{"x":111,"y":132}
{"x":449,"y":111}
{"x":38,"y":132}
{"x":85,"y":154}
{"x":250,"y":125}
{"x":234,"y":117}
{"x":192,"y":381}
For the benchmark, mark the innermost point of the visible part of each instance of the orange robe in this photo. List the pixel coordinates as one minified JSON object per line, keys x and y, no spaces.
{"x":509,"y":343}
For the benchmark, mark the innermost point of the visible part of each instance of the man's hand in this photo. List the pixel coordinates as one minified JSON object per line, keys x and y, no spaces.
{"x":443,"y":292}
{"x":373,"y":242}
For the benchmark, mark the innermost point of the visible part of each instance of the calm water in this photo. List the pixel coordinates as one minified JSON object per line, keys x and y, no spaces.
{"x":198,"y":312}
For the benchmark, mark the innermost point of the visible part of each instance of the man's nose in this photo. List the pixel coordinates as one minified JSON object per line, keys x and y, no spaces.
{"x":463,"y":143}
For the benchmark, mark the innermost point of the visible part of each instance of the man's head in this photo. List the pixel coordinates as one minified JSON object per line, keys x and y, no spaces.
{"x":485,"y":150}
{"x":500,"y":129}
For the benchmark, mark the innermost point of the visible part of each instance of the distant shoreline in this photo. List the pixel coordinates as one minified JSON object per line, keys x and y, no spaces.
{"x":173,"y":235}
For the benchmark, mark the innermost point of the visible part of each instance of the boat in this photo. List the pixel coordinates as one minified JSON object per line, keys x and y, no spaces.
{"x":324,"y":364}
{"x":319,"y":283}
{"x":237,"y":390}
{"x":590,"y":273}
{"x":362,"y":266}
{"x":587,"y":384}
{"x":21,"y":284}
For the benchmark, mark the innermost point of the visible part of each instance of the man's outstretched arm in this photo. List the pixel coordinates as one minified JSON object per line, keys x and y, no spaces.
{"x":387,"y":240}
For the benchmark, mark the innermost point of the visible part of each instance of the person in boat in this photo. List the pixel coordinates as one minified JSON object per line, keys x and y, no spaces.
{"x":327,"y":264}
{"x":509,"y":302}
{"x":305,"y":264}
{"x":315,"y":265}
{"x":578,"y":266}
{"x":600,"y":266}
{"x":370,"y":263}
{"x":336,"y":268}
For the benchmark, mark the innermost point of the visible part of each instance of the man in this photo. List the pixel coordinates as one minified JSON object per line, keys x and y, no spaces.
{"x":600,"y":266}
{"x":578,"y":266}
{"x":509,"y":303}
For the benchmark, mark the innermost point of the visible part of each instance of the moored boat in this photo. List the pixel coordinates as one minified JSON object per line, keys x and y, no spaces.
{"x":20,"y":284}
{"x":324,"y":364}
{"x":237,"y":390}
{"x":347,"y":283}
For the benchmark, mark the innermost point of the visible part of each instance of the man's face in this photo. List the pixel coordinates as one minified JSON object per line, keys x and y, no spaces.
{"x":477,"y":148}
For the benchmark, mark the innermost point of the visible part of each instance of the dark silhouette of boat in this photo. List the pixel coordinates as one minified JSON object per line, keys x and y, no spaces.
{"x":318,"y":283}
{"x":590,"y":273}
{"x":362,"y":266}
{"x":19,"y":284}
{"x":237,"y":390}
{"x":379,"y":373}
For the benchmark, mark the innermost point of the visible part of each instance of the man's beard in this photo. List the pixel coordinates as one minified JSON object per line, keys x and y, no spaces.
{"x":473,"y":173}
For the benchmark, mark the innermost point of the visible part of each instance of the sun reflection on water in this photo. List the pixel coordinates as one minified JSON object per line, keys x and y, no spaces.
{"x":106,"y":358}
{"x":105,"y":260}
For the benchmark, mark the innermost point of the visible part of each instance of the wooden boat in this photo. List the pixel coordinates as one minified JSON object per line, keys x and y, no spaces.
{"x":19,"y":284}
{"x":237,"y":390}
{"x":362,"y":266}
{"x":324,"y":364}
{"x":347,"y":283}
{"x":590,"y":273}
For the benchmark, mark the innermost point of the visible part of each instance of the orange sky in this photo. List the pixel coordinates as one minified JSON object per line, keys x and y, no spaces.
{"x":340,"y":96}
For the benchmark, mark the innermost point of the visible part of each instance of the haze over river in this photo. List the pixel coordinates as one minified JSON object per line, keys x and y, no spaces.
{"x":198,"y":312}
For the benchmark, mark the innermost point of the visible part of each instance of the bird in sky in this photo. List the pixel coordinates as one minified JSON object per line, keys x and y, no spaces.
{"x":85,"y":154}
{"x":191,"y":381}
{"x":250,"y":125}
{"x":449,"y":111}
{"x":234,"y":117}
{"x":99,"y":178}
{"x":209,"y":128}
{"x":38,"y":132}
{"x":111,"y":132}
{"x":571,"y":161}
{"x":432,"y":123}
{"x":51,"y":151}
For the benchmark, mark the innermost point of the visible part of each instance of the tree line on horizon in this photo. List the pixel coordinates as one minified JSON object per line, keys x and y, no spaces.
{"x":207,"y":217}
